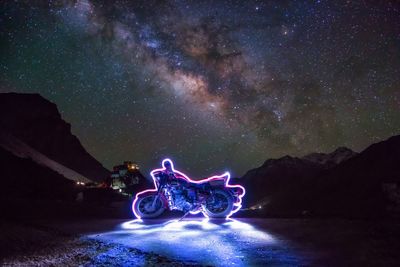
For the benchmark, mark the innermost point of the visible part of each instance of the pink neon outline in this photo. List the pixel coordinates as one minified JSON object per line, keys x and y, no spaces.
{"x":181,"y":175}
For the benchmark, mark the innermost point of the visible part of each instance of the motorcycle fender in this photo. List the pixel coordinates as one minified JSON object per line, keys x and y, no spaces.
{"x":148,"y":193}
{"x":236,"y":192}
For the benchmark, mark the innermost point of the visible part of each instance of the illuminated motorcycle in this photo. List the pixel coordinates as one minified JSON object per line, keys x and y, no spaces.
{"x":213,"y":196}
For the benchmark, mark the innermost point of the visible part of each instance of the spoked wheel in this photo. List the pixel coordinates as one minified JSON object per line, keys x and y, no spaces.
{"x":145,"y":209}
{"x":219,"y":205}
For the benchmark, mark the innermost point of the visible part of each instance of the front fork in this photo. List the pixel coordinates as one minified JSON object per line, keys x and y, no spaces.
{"x":153,"y":205}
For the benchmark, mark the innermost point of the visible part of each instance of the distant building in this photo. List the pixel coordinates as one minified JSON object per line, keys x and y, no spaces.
{"x":127,"y":178}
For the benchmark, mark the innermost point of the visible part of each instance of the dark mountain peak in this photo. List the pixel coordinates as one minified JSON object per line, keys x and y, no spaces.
{"x":390,"y":144}
{"x":381,"y":159}
{"x":21,"y":97}
{"x":342,"y":149}
{"x":38,"y":123}
{"x":25,"y":103}
{"x":331,"y":159}
{"x":394,"y":138}
{"x":344,"y":182}
{"x":288,"y":158}
{"x":274,"y":173}
{"x":285,"y":159}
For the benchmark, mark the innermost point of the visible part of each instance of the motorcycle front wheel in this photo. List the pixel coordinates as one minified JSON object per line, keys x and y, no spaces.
{"x":219,"y":205}
{"x":144,"y":207}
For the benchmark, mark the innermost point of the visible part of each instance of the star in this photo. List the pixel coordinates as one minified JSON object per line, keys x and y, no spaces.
{"x":209,"y":83}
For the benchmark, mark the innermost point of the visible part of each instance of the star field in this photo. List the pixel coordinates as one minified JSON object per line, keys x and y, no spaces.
{"x":215,"y":85}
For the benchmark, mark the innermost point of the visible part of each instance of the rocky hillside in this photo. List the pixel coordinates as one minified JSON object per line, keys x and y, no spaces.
{"x":23,"y":151}
{"x":277,"y":176}
{"x":341,"y":183}
{"x":368,"y":183}
{"x":37,"y":123}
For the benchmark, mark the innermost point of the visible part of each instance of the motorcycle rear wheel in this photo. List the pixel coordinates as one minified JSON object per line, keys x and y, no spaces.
{"x":143,"y":207}
{"x":221,"y":206}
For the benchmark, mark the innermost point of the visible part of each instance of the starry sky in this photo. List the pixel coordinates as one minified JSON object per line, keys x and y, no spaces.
{"x":215,"y":85}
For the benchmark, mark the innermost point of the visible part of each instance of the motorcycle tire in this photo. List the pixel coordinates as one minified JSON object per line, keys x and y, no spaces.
{"x":142,"y":207}
{"x":222,"y":205}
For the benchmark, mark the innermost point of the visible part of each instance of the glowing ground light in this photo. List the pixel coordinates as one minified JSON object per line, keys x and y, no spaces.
{"x":226,"y":176}
{"x":210,"y":242}
{"x":197,"y":228}
{"x":206,"y":242}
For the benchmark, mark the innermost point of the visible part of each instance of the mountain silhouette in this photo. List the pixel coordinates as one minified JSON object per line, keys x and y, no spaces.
{"x":341,"y":183}
{"x":35,"y":122}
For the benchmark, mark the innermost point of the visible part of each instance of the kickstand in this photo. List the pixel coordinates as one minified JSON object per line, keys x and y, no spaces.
{"x":183,"y":216}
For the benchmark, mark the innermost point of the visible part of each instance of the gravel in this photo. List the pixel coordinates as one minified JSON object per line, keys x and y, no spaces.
{"x":33,"y":245}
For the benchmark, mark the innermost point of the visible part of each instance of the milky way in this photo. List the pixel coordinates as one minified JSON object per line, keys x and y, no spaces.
{"x":216,"y":85}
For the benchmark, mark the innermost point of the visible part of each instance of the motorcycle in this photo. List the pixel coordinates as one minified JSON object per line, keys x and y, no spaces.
{"x":214,"y":197}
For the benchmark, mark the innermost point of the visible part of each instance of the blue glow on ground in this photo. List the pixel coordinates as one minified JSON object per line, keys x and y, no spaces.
{"x":218,"y":243}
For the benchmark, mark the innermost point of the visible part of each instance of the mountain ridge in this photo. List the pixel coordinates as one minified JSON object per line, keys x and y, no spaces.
{"x":37,"y":122}
{"x":352,"y":184}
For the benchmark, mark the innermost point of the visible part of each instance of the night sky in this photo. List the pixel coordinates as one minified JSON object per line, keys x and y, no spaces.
{"x":215,"y":85}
